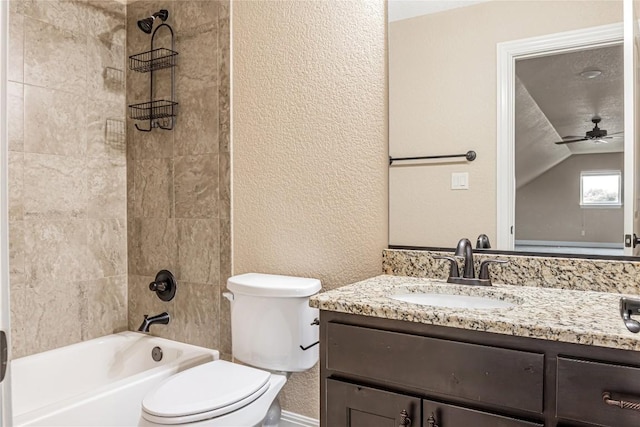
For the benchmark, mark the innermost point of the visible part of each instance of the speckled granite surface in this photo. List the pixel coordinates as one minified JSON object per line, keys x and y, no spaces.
{"x":564,"y":273}
{"x":581,"y":317}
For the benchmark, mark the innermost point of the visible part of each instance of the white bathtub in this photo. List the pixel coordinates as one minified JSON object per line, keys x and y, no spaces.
{"x":99,"y":382}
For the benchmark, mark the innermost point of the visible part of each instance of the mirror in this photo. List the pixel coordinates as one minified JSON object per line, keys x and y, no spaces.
{"x":443,"y":100}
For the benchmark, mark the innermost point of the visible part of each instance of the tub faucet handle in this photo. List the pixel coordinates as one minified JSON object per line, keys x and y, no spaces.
{"x":164,"y":285}
{"x":158,"y":286}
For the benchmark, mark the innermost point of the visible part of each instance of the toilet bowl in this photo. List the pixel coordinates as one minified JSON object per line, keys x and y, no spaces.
{"x":272,"y":327}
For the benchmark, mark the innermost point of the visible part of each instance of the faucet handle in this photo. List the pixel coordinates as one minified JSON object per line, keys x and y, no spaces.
{"x":484,"y":267}
{"x":164,"y":285}
{"x":453,"y":271}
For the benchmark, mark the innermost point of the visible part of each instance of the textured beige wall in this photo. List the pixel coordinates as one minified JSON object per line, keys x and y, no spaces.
{"x":548,"y":208}
{"x":67,"y":196}
{"x":309,"y":146}
{"x":442,"y":100}
{"x":178,"y":180}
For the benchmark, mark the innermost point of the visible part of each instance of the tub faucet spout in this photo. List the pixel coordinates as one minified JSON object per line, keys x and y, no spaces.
{"x":162,"y":318}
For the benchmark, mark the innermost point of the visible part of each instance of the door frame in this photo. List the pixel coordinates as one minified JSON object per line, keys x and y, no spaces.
{"x":631,"y":186}
{"x":5,"y":386}
{"x":507,"y":53}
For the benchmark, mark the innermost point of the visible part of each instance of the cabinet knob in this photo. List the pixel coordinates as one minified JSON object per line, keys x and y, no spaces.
{"x":405,"y":421}
{"x":431,"y":421}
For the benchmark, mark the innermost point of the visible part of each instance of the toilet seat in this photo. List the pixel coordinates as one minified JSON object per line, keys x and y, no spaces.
{"x":206,"y":391}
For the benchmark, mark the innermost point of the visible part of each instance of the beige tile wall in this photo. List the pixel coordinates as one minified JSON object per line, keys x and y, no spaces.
{"x":68,"y":228}
{"x":178,"y":181}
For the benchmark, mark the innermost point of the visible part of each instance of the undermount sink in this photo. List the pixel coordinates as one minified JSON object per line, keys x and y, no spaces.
{"x":453,"y":300}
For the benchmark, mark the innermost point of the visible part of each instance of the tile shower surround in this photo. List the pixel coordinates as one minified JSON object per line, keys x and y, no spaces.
{"x":178,"y":204}
{"x":97,"y":210}
{"x":67,"y":172}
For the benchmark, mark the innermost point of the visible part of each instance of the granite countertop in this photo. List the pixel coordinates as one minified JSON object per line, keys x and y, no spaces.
{"x":581,"y":317}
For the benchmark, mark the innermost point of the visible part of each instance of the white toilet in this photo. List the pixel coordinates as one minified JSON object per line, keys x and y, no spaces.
{"x":273,"y":330}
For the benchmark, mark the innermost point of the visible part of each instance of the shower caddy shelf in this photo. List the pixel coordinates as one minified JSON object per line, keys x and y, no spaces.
{"x":160,"y":113}
{"x":152,"y":60}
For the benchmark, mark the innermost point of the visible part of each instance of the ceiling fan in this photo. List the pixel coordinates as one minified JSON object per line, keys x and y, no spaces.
{"x":596,"y":135}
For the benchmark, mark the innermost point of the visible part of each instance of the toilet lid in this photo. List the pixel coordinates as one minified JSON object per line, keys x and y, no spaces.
{"x":205,"y":391}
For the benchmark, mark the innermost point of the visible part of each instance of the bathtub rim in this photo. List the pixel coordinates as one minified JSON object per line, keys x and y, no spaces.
{"x":193,"y":355}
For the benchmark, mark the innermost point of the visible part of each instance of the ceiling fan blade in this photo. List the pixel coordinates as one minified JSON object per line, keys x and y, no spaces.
{"x":570,"y":141}
{"x":572,"y":137}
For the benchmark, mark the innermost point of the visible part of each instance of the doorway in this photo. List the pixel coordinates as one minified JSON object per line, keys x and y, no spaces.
{"x":569,"y":152}
{"x":538,"y":48}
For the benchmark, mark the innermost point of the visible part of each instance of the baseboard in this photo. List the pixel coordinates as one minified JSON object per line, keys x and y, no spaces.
{"x":291,"y":419}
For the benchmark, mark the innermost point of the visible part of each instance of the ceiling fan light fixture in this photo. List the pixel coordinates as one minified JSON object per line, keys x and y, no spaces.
{"x":591,"y":74}
{"x":596,"y":135}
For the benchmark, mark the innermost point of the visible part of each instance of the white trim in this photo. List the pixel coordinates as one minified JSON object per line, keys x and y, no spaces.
{"x":507,"y":53}
{"x":630,"y":131}
{"x":291,"y":419}
{"x":5,"y":388}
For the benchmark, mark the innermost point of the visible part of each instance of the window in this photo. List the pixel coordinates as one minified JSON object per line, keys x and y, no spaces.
{"x":600,"y":188}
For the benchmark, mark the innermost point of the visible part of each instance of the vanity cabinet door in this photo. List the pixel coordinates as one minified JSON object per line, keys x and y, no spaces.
{"x":580,"y":388}
{"x":444,"y":415}
{"x":350,"y":405}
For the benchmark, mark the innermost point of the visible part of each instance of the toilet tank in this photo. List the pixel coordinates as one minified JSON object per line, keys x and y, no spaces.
{"x":271,"y":321}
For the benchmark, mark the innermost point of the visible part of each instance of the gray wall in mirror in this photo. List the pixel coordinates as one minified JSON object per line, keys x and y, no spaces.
{"x":442,"y":100}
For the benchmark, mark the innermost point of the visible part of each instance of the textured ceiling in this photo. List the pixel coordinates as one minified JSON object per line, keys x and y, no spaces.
{"x":533,"y":154}
{"x":570,"y":101}
{"x":555,"y":101}
{"x":405,"y":9}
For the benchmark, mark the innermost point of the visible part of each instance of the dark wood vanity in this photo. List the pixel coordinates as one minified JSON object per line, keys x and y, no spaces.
{"x":382,"y":372}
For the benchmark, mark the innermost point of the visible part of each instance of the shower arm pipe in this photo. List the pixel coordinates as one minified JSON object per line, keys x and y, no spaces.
{"x":152,"y":78}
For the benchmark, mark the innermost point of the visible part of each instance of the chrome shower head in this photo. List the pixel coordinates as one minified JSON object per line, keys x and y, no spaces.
{"x":146,"y":24}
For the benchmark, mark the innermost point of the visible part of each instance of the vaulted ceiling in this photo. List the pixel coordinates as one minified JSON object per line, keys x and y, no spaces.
{"x":554,"y":100}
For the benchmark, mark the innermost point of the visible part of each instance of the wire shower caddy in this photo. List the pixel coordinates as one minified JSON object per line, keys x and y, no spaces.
{"x":161,"y":113}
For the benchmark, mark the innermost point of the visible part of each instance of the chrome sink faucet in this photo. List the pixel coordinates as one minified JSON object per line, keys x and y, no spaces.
{"x":464,"y":250}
